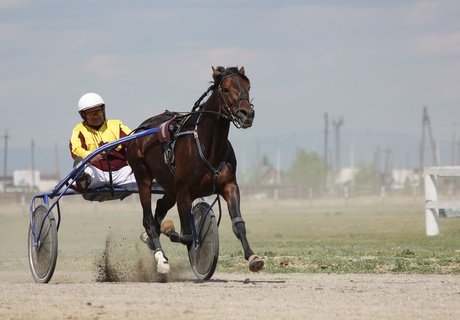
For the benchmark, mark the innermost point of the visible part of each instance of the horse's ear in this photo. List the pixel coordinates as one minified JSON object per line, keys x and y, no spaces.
{"x":215,"y":72}
{"x":241,"y":71}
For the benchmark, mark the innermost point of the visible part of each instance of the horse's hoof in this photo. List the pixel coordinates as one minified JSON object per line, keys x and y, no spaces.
{"x":162,"y":263}
{"x":144,"y":237}
{"x":255,"y":263}
{"x":163,"y":268}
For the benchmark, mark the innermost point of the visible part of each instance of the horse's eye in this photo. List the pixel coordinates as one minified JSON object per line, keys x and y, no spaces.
{"x":226,"y":90}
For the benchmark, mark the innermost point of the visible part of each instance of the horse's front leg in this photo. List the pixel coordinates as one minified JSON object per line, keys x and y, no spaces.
{"x":152,"y":228}
{"x":231,"y":195}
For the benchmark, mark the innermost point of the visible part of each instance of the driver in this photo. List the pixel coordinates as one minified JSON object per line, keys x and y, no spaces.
{"x":94,"y":131}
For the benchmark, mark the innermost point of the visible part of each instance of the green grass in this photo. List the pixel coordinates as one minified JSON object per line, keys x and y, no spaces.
{"x":372,"y":237}
{"x":327,"y":236}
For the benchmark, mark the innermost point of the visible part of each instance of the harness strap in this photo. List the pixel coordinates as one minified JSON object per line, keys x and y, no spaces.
{"x":185,"y":133}
{"x":203,"y":158}
{"x":214,"y":171}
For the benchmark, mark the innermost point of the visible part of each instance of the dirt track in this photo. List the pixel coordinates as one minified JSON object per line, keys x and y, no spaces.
{"x":74,"y":293}
{"x":235,"y":296}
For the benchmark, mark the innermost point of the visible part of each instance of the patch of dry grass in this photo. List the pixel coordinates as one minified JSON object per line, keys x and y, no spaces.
{"x":368,"y":235}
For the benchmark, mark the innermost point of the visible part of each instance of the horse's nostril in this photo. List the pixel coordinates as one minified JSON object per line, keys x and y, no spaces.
{"x":242,"y":113}
{"x":246,"y":113}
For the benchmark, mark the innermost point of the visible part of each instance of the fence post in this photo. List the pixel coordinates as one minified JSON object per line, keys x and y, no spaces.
{"x":431,"y":215}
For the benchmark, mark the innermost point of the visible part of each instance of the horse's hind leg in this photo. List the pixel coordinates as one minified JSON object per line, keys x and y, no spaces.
{"x":232,"y":196}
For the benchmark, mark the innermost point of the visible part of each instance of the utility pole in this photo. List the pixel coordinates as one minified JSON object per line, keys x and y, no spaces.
{"x":377,"y":183}
{"x":278,"y":165}
{"x":426,"y":126}
{"x":326,"y":139}
{"x":377,"y":159}
{"x":337,"y":124}
{"x":387,"y":166}
{"x":6,"y":136}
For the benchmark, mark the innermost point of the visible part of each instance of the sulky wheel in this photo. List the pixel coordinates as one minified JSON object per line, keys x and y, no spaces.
{"x":42,"y":257}
{"x":203,"y":258}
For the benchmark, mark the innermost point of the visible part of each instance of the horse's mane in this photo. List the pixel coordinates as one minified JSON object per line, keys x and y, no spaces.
{"x":158,"y":119}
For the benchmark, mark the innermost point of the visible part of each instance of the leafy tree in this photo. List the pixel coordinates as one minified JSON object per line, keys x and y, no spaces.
{"x":307,"y":171}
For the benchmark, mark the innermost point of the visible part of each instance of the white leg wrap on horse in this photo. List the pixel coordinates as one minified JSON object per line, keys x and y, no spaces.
{"x":162,"y":263}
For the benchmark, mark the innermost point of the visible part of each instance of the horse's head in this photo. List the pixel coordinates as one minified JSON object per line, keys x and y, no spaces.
{"x":233,"y":87}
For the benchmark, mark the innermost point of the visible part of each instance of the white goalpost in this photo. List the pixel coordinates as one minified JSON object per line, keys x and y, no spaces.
{"x":435,"y":208}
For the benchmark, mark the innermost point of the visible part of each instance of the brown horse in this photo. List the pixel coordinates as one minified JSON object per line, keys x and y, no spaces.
{"x":203,"y":161}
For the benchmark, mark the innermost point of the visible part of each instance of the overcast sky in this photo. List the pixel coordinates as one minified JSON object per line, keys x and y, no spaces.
{"x":374,"y":63}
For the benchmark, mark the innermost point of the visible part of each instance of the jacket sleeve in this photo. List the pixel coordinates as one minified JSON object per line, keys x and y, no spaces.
{"x":77,"y":144}
{"x":124,"y":130}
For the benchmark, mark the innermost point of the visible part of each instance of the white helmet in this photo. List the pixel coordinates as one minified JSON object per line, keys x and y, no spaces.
{"x":90,"y":100}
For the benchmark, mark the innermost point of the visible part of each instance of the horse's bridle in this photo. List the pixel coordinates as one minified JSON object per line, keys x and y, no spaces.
{"x":230,"y":111}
